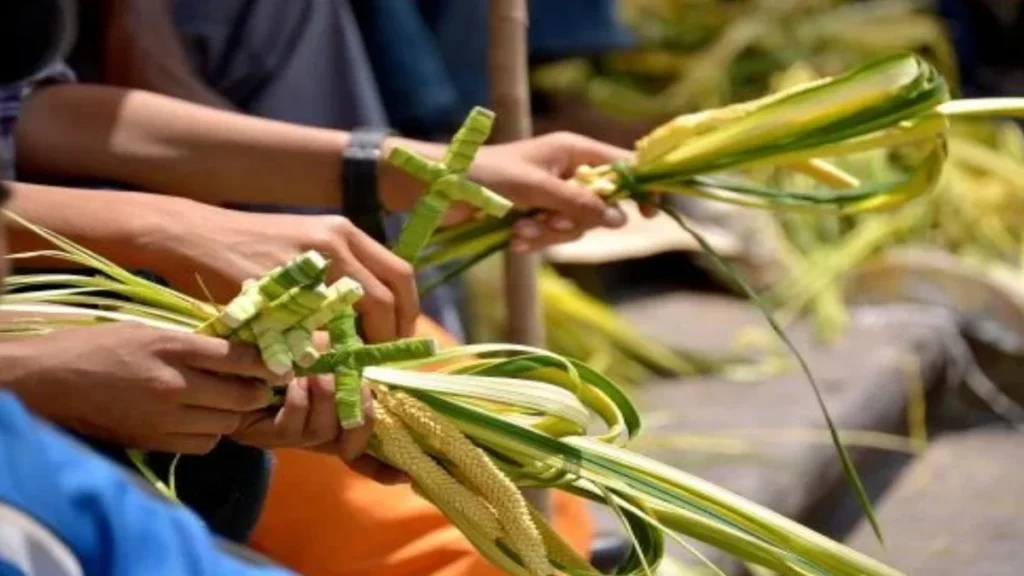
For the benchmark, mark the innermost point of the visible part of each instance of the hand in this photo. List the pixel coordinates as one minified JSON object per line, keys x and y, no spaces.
{"x":532,"y":174}
{"x":307,"y":419}
{"x":225,"y":247}
{"x":141,"y":387}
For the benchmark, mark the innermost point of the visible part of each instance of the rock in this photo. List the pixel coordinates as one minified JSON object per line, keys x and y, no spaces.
{"x":766,"y":440}
{"x":959,"y":509}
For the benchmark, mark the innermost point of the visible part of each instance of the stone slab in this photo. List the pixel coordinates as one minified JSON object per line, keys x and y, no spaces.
{"x":864,"y":379}
{"x":957,"y":510}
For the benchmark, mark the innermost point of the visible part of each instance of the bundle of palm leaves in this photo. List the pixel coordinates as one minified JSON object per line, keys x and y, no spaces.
{"x":485,"y":420}
{"x":974,"y":214}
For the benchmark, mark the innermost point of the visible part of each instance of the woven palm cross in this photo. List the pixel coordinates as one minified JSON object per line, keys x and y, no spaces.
{"x":447,"y":184}
{"x":349,"y":356}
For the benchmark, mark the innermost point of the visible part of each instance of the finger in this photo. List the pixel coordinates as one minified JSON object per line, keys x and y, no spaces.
{"x":546,"y":238}
{"x":397,"y":274}
{"x":293,"y":417}
{"x":184,"y":443}
{"x":321,"y":341}
{"x":322,"y":423}
{"x":569,"y":200}
{"x":377,"y":306}
{"x":652,"y":207}
{"x":226,"y":357}
{"x":206,"y":421}
{"x":353,"y":442}
{"x":459,"y":213}
{"x":556,"y":228}
{"x":227,"y":393}
{"x":281,"y":429}
{"x":531,"y":228}
{"x":257,"y":429}
{"x":649,"y":210}
{"x":374,"y":469}
{"x":589,"y":152}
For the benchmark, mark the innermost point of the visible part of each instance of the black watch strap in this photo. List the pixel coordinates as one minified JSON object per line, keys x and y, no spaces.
{"x":359,"y":192}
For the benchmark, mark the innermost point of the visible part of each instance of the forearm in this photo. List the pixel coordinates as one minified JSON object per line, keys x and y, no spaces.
{"x":122,"y":226}
{"x":144,"y":51}
{"x":165,"y":145}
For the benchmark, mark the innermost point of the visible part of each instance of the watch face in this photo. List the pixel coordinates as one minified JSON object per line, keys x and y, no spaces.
{"x":33,"y":35}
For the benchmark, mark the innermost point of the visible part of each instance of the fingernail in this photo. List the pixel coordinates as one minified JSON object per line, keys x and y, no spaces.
{"x":563,"y":224}
{"x":520,"y":247}
{"x":613,"y":217}
{"x":528,"y":229}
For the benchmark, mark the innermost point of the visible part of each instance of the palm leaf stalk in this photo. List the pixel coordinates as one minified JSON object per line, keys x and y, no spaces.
{"x":523,"y":412}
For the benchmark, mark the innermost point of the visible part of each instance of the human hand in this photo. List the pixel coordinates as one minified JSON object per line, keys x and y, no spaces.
{"x":141,"y":387}
{"x":225,"y":247}
{"x":307,"y":419}
{"x":531,"y":173}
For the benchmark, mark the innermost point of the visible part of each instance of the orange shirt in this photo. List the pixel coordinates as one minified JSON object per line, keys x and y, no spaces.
{"x":322,"y":519}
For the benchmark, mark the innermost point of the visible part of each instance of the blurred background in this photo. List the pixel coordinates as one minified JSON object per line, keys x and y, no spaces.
{"x":913,"y":319}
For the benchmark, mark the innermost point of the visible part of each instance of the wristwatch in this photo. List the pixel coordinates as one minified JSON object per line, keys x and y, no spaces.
{"x":359,"y":191}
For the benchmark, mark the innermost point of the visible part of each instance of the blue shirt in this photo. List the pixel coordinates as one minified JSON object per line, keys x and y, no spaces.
{"x":65,"y":511}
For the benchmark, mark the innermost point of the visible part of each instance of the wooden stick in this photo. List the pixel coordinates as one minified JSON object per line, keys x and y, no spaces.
{"x":509,"y":87}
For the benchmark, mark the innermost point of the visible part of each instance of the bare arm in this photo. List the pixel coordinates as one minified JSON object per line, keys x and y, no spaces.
{"x":144,"y":50}
{"x":121,"y":226}
{"x":181,"y":241}
{"x":173,"y":147}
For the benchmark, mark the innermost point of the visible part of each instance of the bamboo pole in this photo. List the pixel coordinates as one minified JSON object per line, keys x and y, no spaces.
{"x":508,"y":80}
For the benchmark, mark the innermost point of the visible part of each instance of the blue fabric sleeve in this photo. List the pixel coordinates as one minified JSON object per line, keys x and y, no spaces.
{"x":112,"y":526}
{"x":8,"y":569}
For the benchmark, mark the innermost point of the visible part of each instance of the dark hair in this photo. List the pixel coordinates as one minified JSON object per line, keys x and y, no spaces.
{"x":33,"y":35}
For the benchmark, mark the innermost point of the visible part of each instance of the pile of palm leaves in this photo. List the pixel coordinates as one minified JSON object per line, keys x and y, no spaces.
{"x":580,"y":325}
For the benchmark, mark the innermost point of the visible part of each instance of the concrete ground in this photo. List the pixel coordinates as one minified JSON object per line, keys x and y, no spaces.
{"x":766,"y":440}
